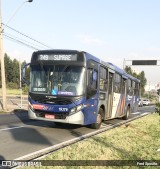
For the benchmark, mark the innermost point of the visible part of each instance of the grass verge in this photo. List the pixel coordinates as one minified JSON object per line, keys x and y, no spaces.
{"x":2,"y":112}
{"x":13,"y":91}
{"x":137,"y":141}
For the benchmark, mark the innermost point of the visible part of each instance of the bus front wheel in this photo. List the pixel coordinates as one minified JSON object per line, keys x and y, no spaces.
{"x":97,"y":125}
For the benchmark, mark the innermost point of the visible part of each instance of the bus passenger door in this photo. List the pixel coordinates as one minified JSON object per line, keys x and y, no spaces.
{"x":118,"y":96}
{"x":110,"y":97}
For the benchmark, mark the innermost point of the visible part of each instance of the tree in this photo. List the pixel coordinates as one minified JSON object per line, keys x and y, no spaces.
{"x":8,"y":68}
{"x":128,"y":70}
{"x":16,"y":72}
{"x":140,"y":76}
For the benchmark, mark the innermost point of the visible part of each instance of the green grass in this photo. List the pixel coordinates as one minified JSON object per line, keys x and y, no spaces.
{"x":137,"y":141}
{"x":2,"y":112}
{"x":12,"y":92}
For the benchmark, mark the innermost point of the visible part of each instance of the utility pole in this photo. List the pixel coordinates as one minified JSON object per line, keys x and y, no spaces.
{"x":3,"y":79}
{"x":124,"y":64}
{"x":20,"y":83}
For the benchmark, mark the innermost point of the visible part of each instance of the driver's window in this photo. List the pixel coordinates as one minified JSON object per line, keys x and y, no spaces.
{"x":92,"y":83}
{"x":92,"y":79}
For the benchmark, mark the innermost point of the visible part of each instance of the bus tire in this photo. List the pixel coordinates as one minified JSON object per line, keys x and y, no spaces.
{"x":125,"y":117}
{"x":97,"y":125}
{"x":58,"y":124}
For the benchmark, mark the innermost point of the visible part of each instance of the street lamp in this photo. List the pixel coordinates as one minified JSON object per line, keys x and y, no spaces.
{"x":3,"y":80}
{"x":16,"y":12}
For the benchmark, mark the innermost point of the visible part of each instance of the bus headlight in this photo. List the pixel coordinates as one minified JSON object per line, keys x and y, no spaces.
{"x":72,"y":111}
{"x":30,"y":106}
{"x":76,"y":109}
{"x":79,"y":107}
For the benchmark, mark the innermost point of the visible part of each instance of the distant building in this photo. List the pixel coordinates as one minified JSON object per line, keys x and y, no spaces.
{"x":150,"y":87}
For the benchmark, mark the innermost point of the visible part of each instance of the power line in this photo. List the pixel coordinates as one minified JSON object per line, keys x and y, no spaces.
{"x":26,"y":36}
{"x":20,"y":42}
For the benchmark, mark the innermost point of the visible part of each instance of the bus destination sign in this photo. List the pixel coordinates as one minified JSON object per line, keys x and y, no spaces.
{"x":58,"y":57}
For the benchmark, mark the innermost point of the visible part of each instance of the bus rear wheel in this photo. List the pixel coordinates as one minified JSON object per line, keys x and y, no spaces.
{"x":125,"y":117}
{"x":97,"y":125}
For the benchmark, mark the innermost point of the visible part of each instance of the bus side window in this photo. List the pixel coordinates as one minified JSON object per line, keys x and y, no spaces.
{"x":136,"y":91}
{"x":134,"y":87}
{"x":103,"y":79}
{"x":129,"y":87}
{"x":92,"y":78}
{"x":117,"y":83}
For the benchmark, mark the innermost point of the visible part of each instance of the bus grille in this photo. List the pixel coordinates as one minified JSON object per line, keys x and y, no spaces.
{"x":59,"y":115}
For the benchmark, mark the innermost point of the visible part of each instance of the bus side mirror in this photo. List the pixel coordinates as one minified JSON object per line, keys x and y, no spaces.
{"x":24,"y":73}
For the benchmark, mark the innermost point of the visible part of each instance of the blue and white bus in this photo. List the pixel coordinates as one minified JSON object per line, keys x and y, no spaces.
{"x":69,"y":86}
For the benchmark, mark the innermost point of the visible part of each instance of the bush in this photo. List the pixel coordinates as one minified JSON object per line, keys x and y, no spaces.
{"x":25,"y":89}
{"x":158,"y":107}
{"x":12,"y":85}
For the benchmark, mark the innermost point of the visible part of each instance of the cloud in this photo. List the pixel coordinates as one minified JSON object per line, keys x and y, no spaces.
{"x":89,"y":40}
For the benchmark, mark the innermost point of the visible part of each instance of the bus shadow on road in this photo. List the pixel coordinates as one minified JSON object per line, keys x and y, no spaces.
{"x":1,"y":159}
{"x":22,"y":114}
{"x":112,"y":121}
{"x":29,"y":135}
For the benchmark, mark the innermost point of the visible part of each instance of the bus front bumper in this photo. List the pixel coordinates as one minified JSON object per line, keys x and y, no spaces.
{"x":76,"y":118}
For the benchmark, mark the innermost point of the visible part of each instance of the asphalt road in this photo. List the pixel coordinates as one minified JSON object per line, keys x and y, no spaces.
{"x":21,"y":138}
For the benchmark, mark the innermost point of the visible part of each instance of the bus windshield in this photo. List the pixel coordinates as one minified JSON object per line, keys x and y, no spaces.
{"x":57,"y":79}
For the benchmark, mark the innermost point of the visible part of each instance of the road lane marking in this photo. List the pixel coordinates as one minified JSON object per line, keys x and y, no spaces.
{"x":144,"y":113}
{"x":136,"y":113}
{"x":11,"y":128}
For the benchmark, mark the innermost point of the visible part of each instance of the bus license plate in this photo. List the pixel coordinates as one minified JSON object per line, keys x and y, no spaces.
{"x":49,"y":116}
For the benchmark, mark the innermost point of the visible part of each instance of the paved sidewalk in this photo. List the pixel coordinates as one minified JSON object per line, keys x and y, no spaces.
{"x":15,"y":103}
{"x":11,"y":108}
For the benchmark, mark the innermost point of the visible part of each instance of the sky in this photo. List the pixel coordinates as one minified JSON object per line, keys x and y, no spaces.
{"x":112,"y":30}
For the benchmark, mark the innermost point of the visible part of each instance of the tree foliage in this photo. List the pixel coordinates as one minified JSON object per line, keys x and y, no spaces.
{"x":12,"y":72}
{"x":140,"y":76}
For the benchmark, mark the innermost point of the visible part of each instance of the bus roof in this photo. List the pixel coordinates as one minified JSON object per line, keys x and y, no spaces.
{"x":122,"y":72}
{"x":89,"y":56}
